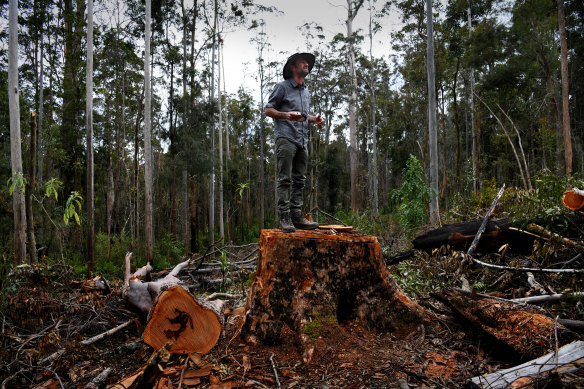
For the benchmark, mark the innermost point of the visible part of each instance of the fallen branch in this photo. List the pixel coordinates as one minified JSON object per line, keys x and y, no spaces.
{"x":475,"y":242}
{"x":568,"y":358}
{"x":275,"y":371}
{"x":216,"y":295}
{"x":531,"y":269}
{"x":327,"y":214}
{"x":154,"y":368}
{"x":545,"y":299}
{"x":94,"y":339}
{"x":552,"y":235}
{"x":100,"y":380}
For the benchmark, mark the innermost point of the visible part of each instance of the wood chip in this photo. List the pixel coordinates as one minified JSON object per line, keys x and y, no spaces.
{"x":337,"y":227}
{"x":191,"y":381}
{"x":202,"y":372}
{"x":246,"y":364}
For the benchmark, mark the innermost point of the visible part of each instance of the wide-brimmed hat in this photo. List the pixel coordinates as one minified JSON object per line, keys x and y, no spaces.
{"x":287,"y":72}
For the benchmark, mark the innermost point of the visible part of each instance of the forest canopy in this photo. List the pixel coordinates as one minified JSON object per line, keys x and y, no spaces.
{"x":503,"y":105}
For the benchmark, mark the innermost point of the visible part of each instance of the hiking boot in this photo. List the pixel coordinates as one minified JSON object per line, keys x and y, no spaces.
{"x":301,"y":222}
{"x":286,"y":223}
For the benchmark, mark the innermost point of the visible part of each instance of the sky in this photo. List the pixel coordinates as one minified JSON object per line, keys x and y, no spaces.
{"x":285,"y":37}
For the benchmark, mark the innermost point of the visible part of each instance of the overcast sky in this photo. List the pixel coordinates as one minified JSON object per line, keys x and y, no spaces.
{"x":240,"y":54}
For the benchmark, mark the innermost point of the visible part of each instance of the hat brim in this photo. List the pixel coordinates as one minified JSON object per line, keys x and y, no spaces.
{"x":310,"y":58}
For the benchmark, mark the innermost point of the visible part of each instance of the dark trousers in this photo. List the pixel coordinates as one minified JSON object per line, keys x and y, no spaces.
{"x":291,"y":162}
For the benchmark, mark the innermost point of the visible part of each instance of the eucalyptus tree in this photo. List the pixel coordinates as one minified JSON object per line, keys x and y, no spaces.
{"x":89,"y":141}
{"x":353,"y":7}
{"x":148,"y":228}
{"x":432,"y":127}
{"x":565,"y":89}
{"x":18,"y":205}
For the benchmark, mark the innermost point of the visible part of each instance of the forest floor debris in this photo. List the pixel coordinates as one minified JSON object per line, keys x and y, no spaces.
{"x":43,"y":318}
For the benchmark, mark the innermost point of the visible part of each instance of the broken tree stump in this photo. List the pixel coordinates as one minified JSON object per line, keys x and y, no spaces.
{"x":189,"y":324}
{"x":311,"y":281}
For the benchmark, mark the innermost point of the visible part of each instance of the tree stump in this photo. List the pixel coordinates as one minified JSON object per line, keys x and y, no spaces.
{"x":312,"y":280}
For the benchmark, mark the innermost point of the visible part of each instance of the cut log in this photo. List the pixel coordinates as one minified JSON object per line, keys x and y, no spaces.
{"x":497,"y":233}
{"x":309,"y":282}
{"x":178,"y":317}
{"x":460,"y":236}
{"x":569,"y":358}
{"x":574,"y":199}
{"x":519,"y":331}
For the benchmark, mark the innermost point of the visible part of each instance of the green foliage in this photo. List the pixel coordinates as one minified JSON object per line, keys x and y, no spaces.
{"x":72,"y":207}
{"x":546,"y":199}
{"x":416,"y":281}
{"x":412,"y":196}
{"x":16,"y":181}
{"x":52,"y":188}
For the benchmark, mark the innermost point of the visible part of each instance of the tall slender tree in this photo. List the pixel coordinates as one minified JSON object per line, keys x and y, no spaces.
{"x":474,"y":130}
{"x":15,"y":147}
{"x":432,"y":126}
{"x":89,"y":140}
{"x":220,"y":126}
{"x":565,"y":89}
{"x":373,"y":170}
{"x":184,"y":205}
{"x":212,"y":131}
{"x":352,"y":10}
{"x":148,"y":138}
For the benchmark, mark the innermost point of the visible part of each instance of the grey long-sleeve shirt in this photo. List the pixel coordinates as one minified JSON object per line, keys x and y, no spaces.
{"x":289,"y":96}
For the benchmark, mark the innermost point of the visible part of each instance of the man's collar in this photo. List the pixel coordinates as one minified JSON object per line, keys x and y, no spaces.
{"x":294,"y":83}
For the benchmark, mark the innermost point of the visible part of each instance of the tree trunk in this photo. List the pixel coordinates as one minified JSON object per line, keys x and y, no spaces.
{"x":89,"y":141}
{"x":184,"y":211}
{"x":354,"y":158}
{"x":212,"y":131}
{"x":309,"y":281}
{"x":221,"y":216}
{"x":18,"y":203}
{"x":148,"y":228}
{"x":474,"y":131}
{"x":432,"y":126}
{"x":565,"y":89}
{"x":521,"y":331}
{"x":373,"y":170}
{"x":30,"y":187}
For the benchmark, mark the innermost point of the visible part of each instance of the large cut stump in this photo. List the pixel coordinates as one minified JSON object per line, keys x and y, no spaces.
{"x":189,"y":324}
{"x":312,"y":280}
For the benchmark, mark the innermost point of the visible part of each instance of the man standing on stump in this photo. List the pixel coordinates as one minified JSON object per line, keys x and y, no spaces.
{"x":289,"y":105}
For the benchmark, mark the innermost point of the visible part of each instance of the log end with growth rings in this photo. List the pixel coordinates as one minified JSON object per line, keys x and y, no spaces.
{"x":191,"y":325}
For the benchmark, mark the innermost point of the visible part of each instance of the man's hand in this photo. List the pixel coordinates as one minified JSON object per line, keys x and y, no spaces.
{"x":295,"y":116}
{"x":319,"y":120}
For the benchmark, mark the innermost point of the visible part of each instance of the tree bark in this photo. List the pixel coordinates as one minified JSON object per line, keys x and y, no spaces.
{"x":212,"y":131}
{"x":521,"y":331}
{"x":18,"y":203}
{"x":373,"y":170}
{"x":311,"y":280}
{"x":185,"y":197}
{"x":432,"y":126}
{"x":30,"y":187}
{"x":89,"y":142}
{"x":148,"y":228}
{"x":474,"y":131}
{"x":352,"y":9}
{"x":221,"y":216}
{"x":565,"y":89}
